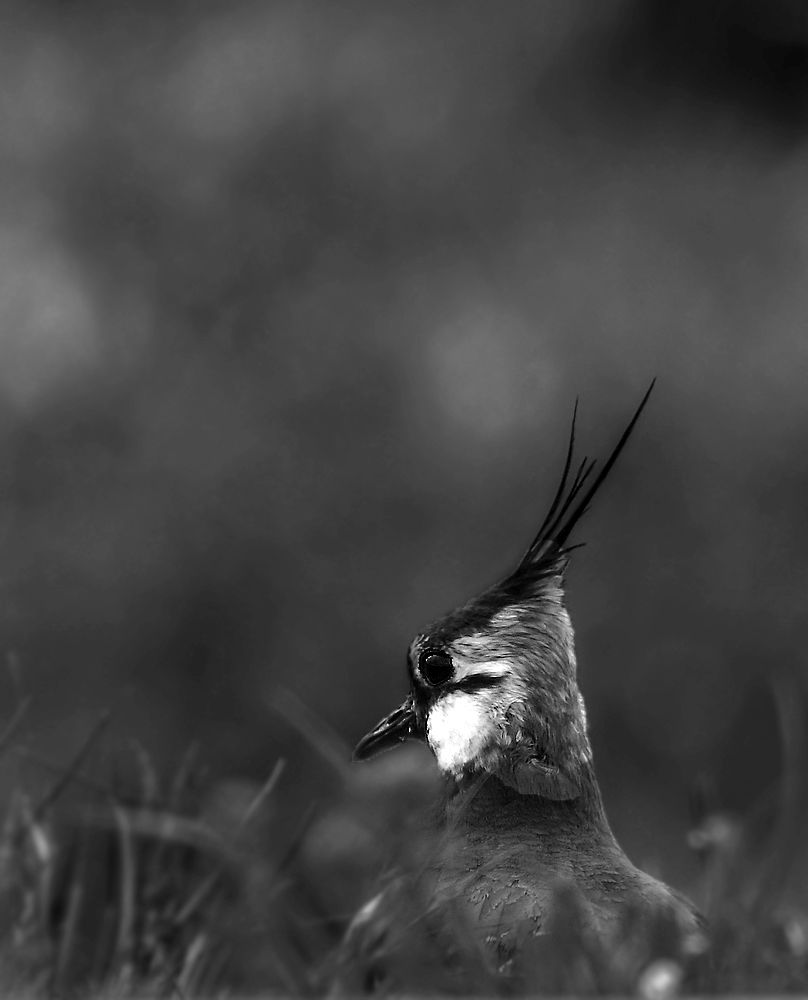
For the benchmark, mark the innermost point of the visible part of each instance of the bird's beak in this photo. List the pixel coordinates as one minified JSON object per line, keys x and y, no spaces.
{"x":394,"y":728}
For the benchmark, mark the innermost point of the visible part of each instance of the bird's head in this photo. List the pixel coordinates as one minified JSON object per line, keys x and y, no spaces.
{"x":493,"y":684}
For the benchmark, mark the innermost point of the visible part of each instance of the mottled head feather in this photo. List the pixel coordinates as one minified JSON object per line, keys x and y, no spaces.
{"x":493,"y":683}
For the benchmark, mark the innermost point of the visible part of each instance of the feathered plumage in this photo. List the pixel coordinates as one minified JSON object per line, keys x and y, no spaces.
{"x":493,"y":692}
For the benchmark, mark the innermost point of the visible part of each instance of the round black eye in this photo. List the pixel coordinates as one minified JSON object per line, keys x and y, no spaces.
{"x":435,"y":667}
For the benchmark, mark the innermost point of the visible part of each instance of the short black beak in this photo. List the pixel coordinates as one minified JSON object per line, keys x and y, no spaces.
{"x":394,"y":728}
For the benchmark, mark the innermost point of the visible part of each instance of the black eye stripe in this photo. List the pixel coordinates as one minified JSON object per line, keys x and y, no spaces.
{"x":475,"y":682}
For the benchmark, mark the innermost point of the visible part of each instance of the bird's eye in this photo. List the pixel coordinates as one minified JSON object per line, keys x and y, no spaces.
{"x":435,"y":667}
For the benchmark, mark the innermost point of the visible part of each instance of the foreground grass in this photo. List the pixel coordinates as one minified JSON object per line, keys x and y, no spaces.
{"x":182,"y":887}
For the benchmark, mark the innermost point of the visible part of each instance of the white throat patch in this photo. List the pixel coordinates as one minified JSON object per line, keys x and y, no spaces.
{"x":458,"y":729}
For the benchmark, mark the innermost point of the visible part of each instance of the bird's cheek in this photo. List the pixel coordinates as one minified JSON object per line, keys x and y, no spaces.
{"x":457,"y":730}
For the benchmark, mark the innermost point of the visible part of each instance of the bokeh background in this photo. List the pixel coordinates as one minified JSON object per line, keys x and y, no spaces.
{"x":295,"y":299}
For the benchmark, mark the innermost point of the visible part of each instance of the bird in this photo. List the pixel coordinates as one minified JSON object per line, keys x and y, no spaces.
{"x":493,"y":694}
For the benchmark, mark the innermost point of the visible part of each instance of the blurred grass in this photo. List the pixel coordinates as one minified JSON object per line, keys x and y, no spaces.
{"x":137,"y":884}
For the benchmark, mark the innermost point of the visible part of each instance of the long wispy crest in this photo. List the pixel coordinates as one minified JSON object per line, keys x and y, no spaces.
{"x":564,"y":512}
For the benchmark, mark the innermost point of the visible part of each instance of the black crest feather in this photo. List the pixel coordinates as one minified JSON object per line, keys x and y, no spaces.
{"x":545,"y":557}
{"x":568,"y":505}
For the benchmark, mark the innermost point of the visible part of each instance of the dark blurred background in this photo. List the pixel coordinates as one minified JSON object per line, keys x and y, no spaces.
{"x":295,"y":299}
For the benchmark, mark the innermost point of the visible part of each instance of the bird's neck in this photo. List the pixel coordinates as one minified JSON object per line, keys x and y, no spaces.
{"x":482,"y":810}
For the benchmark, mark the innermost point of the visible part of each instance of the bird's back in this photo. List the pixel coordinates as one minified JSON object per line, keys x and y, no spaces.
{"x":511,"y":857}
{"x":511,"y":872}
